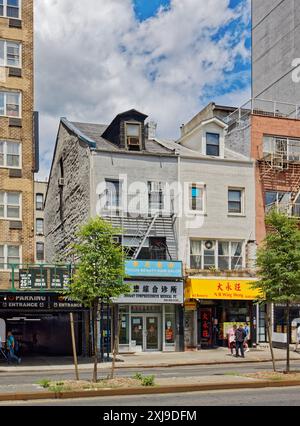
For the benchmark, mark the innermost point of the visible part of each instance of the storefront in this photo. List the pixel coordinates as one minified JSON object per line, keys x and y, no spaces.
{"x":41,"y":322}
{"x":151,"y":315}
{"x":279,"y":335}
{"x":213,"y":306}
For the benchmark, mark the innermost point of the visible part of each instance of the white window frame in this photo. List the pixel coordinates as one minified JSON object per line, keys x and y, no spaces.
{"x":5,"y":165}
{"x":6,"y":245}
{"x":139,"y":125}
{"x":5,"y":6}
{"x":5,"y":217}
{"x":242,"y":190}
{"x":5,"y":59}
{"x":202,"y":187}
{"x":36,"y":251}
{"x":36,"y":227}
{"x":216,"y":252}
{"x":5,"y":103}
{"x":161,"y":189}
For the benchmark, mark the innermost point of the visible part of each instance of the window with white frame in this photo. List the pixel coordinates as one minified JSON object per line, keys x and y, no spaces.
{"x":10,"y":104}
{"x":10,"y":205}
{"x":40,"y":251}
{"x":10,"y":54}
{"x":10,"y":8}
{"x":10,"y":154}
{"x":220,"y":255}
{"x":213,"y":144}
{"x":113,"y":193}
{"x":39,"y":226}
{"x":133,"y":136}
{"x":236,"y":200}
{"x":196,"y":197}
{"x":9,"y":255}
{"x":39,"y":202}
{"x":156,"y":195}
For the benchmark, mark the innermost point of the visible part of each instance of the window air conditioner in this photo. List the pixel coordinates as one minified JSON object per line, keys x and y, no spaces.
{"x":133,"y":141}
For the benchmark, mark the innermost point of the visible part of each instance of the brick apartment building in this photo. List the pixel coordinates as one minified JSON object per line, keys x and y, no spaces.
{"x":18,"y":135}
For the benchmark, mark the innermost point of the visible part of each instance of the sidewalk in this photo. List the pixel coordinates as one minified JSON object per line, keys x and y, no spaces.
{"x":149,"y":360}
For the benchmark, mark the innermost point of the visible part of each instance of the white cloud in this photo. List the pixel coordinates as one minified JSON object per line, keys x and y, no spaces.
{"x":94,"y":60}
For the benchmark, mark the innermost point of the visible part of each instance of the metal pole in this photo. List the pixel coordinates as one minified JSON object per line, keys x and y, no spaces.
{"x":101,"y":330}
{"x":107,"y":330}
{"x":74,"y":346}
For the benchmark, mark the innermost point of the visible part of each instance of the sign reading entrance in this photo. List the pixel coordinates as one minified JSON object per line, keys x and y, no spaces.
{"x":153,"y":292}
{"x":38,"y":301}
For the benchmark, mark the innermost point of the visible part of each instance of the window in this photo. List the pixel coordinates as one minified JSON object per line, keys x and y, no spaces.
{"x":40,"y":226}
{"x":10,"y":205}
{"x":156,"y":195}
{"x":10,"y":8}
{"x":213,"y":144}
{"x":10,"y":154}
{"x":113,"y":195}
{"x":221,"y":255}
{"x":10,"y":104}
{"x":133,"y":136}
{"x":39,"y":201}
{"x":10,"y":54}
{"x":40,"y":251}
{"x":196,"y":197}
{"x":235,"y":201}
{"x":9,"y":255}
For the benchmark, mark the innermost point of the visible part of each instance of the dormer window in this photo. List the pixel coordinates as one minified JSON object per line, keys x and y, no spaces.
{"x":213,"y":144}
{"x":133,"y":136}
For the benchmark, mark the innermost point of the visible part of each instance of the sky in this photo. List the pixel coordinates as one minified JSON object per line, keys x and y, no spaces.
{"x":165,"y":58}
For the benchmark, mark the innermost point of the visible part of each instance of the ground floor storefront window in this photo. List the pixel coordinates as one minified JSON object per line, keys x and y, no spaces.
{"x":147,"y":328}
{"x":280,"y":323}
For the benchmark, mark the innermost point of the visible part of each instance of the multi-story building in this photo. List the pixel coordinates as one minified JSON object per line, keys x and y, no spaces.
{"x":216,"y":231}
{"x":276,"y":51}
{"x":270,"y":134}
{"x":121,"y":173}
{"x":40,"y":189}
{"x":18,"y":137}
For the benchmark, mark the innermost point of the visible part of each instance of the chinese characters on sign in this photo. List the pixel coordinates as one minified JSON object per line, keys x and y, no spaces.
{"x":153,"y":268}
{"x":153,"y":292}
{"x":206,"y":327}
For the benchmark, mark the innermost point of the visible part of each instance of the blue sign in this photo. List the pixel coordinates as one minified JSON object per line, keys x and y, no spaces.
{"x":153,"y":268}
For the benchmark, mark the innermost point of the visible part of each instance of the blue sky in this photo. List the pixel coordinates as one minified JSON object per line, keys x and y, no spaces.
{"x":125,"y":55}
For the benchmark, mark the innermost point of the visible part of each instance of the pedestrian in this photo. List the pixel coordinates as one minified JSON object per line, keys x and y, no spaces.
{"x":10,"y":342}
{"x":240,"y":335}
{"x":297,"y":337}
{"x":247,"y":338}
{"x":231,"y":338}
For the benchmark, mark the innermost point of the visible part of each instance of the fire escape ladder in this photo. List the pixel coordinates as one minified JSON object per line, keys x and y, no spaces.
{"x":139,"y":248}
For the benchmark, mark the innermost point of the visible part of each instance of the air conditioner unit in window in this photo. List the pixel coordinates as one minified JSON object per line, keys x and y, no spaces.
{"x":209,"y":245}
{"x":133,"y":141}
{"x":61,"y":182}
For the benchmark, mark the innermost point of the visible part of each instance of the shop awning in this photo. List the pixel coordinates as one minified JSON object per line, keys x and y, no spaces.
{"x":221,"y":289}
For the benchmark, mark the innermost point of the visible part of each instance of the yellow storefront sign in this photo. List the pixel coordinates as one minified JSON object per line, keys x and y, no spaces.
{"x":221,"y":289}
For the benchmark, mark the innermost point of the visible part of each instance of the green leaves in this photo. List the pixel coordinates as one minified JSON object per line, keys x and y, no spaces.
{"x":100,"y":269}
{"x":278,"y":260}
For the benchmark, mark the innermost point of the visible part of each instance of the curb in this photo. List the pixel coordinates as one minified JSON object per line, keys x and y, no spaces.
{"x":30,"y":396}
{"x":145,"y":366}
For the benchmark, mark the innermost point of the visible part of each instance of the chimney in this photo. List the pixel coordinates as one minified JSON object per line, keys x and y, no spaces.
{"x":151,"y":130}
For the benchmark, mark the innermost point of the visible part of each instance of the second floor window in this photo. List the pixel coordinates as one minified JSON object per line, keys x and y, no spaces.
{"x":10,"y":8}
{"x":213,"y":144}
{"x":40,"y":249}
{"x":40,"y":226}
{"x":10,"y":54}
{"x":10,"y":154}
{"x":10,"y":205}
{"x":221,"y":255}
{"x":9,"y":254}
{"x":156,"y":195}
{"x":10,"y":104}
{"x":39,"y":201}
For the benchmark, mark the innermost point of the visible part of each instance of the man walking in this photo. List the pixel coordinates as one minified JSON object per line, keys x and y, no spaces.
{"x":240,"y":336}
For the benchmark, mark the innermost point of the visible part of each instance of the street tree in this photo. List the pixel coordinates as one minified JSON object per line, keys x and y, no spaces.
{"x":99,"y":270}
{"x":278,"y":263}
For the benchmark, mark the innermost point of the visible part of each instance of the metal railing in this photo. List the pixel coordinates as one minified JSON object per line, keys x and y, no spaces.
{"x":290,"y":209}
{"x":35,"y":277}
{"x":264,"y":107}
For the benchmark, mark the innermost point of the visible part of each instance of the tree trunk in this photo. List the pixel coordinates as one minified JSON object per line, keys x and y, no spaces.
{"x":269,"y":331}
{"x":95,"y":321}
{"x":115,"y":346}
{"x":288,"y":337}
